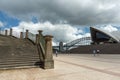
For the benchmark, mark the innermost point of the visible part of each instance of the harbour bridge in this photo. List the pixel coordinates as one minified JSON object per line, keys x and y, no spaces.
{"x":73,"y":44}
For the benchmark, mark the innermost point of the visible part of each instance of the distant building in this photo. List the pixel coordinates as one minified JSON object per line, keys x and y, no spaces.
{"x":100,"y":36}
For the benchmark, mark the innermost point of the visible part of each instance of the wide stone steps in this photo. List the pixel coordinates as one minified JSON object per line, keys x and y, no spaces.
{"x":17,"y":53}
{"x":19,"y":66}
{"x":18,"y":56}
{"x":24,"y":61}
{"x":18,"y":60}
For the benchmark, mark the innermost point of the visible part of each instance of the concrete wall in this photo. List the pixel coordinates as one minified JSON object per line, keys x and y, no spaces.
{"x":104,"y":49}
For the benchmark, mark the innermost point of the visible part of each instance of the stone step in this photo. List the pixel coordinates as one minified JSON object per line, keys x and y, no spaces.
{"x":19,"y":66}
{"x":20,"y":60}
{"x":18,"y":56}
{"x":17,"y":59}
{"x":11,"y":63}
{"x":14,"y":64}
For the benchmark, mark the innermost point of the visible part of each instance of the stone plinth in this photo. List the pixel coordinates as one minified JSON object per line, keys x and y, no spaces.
{"x":26,"y":36}
{"x":48,"y":62}
{"x":6,"y":32}
{"x":40,"y":31}
{"x":21,"y":35}
{"x":10,"y":31}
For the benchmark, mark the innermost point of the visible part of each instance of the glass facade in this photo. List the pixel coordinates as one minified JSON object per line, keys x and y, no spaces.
{"x":102,"y":36}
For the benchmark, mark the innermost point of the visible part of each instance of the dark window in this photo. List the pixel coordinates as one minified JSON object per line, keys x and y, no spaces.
{"x":102,"y":36}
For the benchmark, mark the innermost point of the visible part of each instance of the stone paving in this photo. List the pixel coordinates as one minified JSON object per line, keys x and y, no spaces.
{"x":71,"y":67}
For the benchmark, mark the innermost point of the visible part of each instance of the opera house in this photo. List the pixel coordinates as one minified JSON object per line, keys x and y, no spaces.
{"x":100,"y":36}
{"x":107,"y":42}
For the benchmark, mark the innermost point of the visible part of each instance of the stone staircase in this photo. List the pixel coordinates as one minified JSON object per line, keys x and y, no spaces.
{"x":18,"y":53}
{"x":24,"y":61}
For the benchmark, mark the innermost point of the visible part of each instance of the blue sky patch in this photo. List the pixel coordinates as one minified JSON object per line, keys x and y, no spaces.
{"x":8,"y":20}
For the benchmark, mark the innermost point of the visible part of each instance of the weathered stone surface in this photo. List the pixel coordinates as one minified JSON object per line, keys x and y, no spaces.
{"x":26,"y":36}
{"x":48,"y":62}
{"x":17,"y":53}
{"x":21,"y":35}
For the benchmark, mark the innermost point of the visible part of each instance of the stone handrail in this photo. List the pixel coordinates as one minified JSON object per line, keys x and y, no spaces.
{"x":42,"y":47}
{"x":42,"y":40}
{"x":38,"y":40}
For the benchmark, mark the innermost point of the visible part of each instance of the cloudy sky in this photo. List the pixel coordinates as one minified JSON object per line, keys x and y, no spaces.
{"x":66,"y":20}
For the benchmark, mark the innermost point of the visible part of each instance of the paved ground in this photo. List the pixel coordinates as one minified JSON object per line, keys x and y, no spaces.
{"x":72,"y":67}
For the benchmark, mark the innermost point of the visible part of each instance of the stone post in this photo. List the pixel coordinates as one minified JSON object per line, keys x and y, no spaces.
{"x":48,"y":62}
{"x":10,"y":31}
{"x":38,"y":36}
{"x":6,"y":32}
{"x":40,"y":31}
{"x":26,"y":36}
{"x":21,"y":35}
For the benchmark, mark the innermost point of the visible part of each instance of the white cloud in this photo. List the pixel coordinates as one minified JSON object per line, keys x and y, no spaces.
{"x":109,"y":28}
{"x":1,"y":24}
{"x":86,"y":35}
{"x":85,"y":12}
{"x":61,"y":32}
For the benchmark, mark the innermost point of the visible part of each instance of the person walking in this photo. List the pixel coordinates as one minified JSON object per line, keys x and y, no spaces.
{"x":94,"y":52}
{"x":98,"y":51}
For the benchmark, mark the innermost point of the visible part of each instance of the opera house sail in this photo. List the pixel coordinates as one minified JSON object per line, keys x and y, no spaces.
{"x":100,"y":36}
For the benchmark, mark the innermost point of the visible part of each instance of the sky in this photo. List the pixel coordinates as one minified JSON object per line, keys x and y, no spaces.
{"x":66,"y":20}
